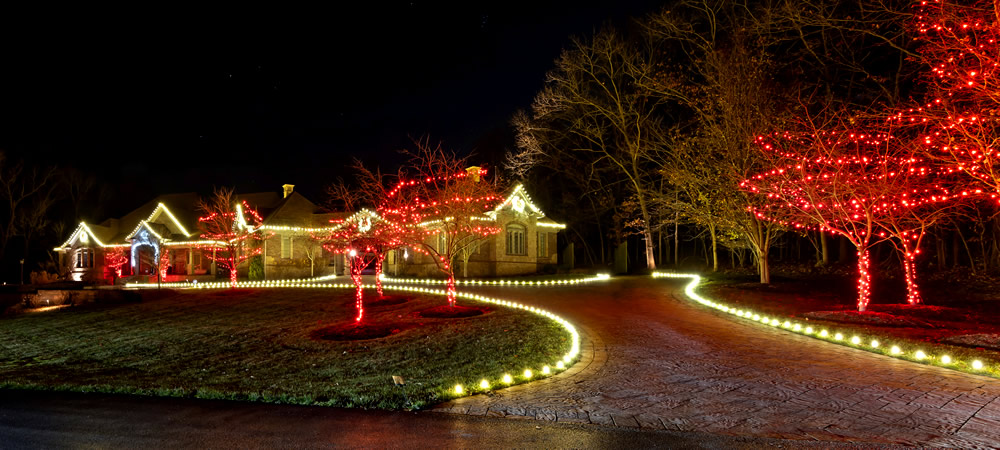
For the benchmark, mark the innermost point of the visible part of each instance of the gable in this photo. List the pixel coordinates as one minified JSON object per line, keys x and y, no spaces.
{"x":293,"y":211}
{"x":519,"y":202}
{"x":87,"y":235}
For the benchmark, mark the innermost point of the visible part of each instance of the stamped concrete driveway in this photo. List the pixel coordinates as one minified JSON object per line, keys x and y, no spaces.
{"x":652,"y":359}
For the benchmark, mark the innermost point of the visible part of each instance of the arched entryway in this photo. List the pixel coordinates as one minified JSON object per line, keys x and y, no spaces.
{"x":144,"y":259}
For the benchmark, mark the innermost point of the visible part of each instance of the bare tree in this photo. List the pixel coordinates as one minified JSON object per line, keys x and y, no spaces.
{"x":594,"y":112}
{"x":727,"y":88}
{"x":34,"y":219}
{"x":18,"y":185}
{"x":312,"y":250}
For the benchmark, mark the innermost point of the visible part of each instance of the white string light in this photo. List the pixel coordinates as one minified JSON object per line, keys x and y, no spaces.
{"x":875,"y":346}
{"x":502,"y":282}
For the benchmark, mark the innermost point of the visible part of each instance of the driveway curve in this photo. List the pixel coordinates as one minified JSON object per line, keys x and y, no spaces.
{"x":653,"y":359}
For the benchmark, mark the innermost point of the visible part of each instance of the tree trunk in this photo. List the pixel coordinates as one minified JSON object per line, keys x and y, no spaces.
{"x":648,"y":235}
{"x":677,"y":236}
{"x":941,"y":253}
{"x":378,"y":273}
{"x":910,"y":273}
{"x":356,"y":266}
{"x":451,"y":290}
{"x":864,"y":279}
{"x":759,"y":239}
{"x":715,"y":248}
{"x":825,"y":248}
{"x":763,"y":267}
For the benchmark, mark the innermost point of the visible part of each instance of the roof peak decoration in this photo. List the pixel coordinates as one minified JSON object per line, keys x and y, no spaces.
{"x":520,"y":201}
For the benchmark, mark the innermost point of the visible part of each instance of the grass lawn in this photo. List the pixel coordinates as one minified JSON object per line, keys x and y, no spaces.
{"x":951,"y":322}
{"x":261,"y":345}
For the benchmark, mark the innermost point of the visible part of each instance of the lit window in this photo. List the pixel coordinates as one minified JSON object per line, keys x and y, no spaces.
{"x":442,"y":246}
{"x":85,"y":258}
{"x":515,"y":240}
{"x":543,"y":244}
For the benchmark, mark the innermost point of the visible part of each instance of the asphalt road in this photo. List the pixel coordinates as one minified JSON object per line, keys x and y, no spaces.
{"x":70,"y":420}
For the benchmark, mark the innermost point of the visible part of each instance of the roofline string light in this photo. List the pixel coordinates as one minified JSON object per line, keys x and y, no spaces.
{"x":500,"y":282}
{"x":529,"y":203}
{"x":159,"y":207}
{"x":295,"y":229}
{"x":83,"y":228}
{"x":856,"y":341}
{"x":385,"y":279}
{"x":503,"y":380}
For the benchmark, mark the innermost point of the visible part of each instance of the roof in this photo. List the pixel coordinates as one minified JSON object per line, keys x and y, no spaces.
{"x":183,"y":207}
{"x":172,"y":216}
{"x":175,"y":216}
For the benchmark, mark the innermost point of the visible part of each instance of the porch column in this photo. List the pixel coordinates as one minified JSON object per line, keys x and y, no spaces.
{"x":190,"y":264}
{"x":213,"y":261}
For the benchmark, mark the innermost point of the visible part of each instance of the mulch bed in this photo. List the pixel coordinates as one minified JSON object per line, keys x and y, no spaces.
{"x":981,"y":340}
{"x":387,"y":300}
{"x":356,"y":331}
{"x":868,"y":317}
{"x":452,"y":312}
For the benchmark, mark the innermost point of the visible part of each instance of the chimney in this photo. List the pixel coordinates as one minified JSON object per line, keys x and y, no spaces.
{"x":474,"y":172}
{"x":288,"y":188}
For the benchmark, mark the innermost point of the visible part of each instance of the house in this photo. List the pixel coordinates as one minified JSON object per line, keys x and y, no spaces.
{"x":526,"y":244}
{"x":166,"y":230}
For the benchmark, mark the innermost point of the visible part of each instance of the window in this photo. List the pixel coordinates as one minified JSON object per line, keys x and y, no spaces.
{"x":515,"y":240}
{"x":543,"y":244}
{"x":85,"y":259}
{"x":286,"y":247}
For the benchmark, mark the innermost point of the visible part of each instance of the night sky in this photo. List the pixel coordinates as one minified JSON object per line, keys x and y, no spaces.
{"x":165,"y":100}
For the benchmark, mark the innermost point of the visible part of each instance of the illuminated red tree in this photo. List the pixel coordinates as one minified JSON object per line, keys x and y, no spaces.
{"x":867,"y":187}
{"x":114,"y":261}
{"x":163,"y":264}
{"x":441,"y":208}
{"x":232,"y":230}
{"x":365,"y":239}
{"x":909,"y":221}
{"x":958,"y":119}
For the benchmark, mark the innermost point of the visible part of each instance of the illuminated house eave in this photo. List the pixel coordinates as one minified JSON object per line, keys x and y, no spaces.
{"x":519,"y":193}
{"x":85,"y":234}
